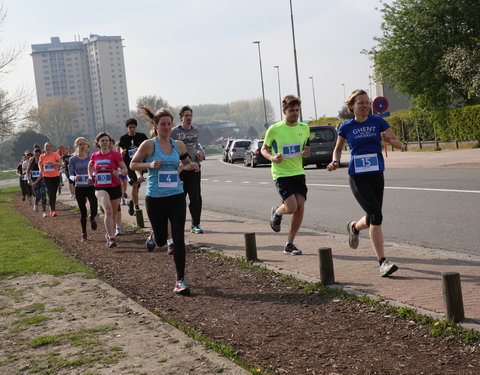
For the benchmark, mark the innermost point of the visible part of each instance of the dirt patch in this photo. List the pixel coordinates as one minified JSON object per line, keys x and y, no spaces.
{"x":270,"y":324}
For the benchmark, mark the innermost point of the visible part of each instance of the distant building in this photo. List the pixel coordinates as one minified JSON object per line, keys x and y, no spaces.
{"x":396,"y":101}
{"x":91,"y":72}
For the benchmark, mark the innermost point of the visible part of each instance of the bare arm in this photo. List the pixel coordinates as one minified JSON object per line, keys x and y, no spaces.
{"x":143,"y":151}
{"x":266,"y":151}
{"x":390,"y":137}
{"x":337,"y":154}
{"x":187,"y":164}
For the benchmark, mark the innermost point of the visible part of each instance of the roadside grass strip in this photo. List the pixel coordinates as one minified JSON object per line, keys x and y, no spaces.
{"x":25,"y":250}
{"x":8,"y":174}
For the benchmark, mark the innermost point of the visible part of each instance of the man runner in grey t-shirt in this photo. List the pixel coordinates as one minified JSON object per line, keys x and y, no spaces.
{"x":188,"y":134}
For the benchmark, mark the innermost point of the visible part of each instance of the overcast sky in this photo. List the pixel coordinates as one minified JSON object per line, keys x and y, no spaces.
{"x":201,"y":51}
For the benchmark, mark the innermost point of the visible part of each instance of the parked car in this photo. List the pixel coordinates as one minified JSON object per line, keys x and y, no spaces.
{"x":253,"y":155}
{"x":322,"y":143}
{"x":225,"y":150}
{"x":237,"y":150}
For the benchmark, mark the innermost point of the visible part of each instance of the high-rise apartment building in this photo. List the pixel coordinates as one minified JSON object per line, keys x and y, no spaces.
{"x":91,"y":72}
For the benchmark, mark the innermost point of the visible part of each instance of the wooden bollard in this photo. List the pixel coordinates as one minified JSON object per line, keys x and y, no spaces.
{"x":139,"y":216}
{"x":452,"y":296}
{"x":327,"y":275}
{"x":250,"y":247}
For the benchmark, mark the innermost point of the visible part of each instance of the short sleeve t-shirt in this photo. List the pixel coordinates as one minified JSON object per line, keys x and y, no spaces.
{"x":49,"y":170}
{"x":364,"y":140}
{"x":131,"y":143}
{"x":288,"y":141}
{"x":103,"y":166}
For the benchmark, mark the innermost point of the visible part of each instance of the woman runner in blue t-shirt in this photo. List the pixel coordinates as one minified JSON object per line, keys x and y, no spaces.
{"x":165,"y":200}
{"x":364,"y":135}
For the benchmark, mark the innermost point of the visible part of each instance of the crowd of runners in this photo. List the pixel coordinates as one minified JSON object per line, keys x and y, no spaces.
{"x":169,"y":160}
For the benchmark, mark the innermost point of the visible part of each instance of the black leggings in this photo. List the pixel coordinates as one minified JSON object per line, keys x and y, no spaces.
{"x":52,"y":184}
{"x":162,"y":210}
{"x":192,"y":188}
{"x":81,"y":195}
{"x":26,"y":188}
{"x":368,"y":191}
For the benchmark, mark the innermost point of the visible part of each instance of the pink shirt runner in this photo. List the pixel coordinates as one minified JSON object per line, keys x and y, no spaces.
{"x":103,"y":166}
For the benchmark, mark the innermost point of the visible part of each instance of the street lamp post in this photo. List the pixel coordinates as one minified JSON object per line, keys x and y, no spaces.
{"x":344,"y":94}
{"x":314,"y":101}
{"x":257,"y":42}
{"x":279,"y":91}
{"x":295,"y":56}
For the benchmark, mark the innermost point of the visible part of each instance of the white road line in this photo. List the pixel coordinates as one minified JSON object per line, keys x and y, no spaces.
{"x":246,"y":182}
{"x":405,"y":188}
{"x":228,"y":181}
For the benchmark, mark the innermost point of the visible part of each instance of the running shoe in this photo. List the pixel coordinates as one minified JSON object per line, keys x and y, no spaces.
{"x":35,"y":207}
{"x":291,"y":249}
{"x":110,"y":241}
{"x":131,"y":209}
{"x":196,"y":229}
{"x":84,"y":237}
{"x":44,"y":214}
{"x":125,"y":196}
{"x":170,"y":249}
{"x":150,"y":243}
{"x":118,"y":230}
{"x":353,"y":238}
{"x":72,"y":195}
{"x":275,"y":220}
{"x":124,"y":203}
{"x":23,"y":198}
{"x":387,"y":268}
{"x":181,"y":287}
{"x":53,"y":213}
{"x":93,"y":223}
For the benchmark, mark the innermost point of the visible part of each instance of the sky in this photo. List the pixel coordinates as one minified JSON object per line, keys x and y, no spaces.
{"x":202,"y":51}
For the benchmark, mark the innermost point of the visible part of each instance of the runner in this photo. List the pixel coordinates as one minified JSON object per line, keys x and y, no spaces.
{"x":78,"y":173}
{"x":123,"y":179}
{"x":188,"y":134}
{"x":50,"y":162}
{"x":103,"y":170}
{"x":165,"y":199}
{"x":35,"y":179}
{"x":364,"y":135}
{"x":128,"y":145}
{"x":123,"y":182}
{"x":23,"y":180}
{"x":66,"y":157}
{"x":286,"y":142}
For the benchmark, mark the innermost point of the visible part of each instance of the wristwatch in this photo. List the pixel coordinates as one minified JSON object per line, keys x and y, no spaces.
{"x":335,"y":161}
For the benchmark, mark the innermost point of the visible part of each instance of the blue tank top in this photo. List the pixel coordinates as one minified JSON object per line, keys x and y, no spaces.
{"x":164,"y":181}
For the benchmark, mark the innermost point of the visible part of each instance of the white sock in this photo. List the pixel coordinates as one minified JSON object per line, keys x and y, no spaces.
{"x":169,"y":241}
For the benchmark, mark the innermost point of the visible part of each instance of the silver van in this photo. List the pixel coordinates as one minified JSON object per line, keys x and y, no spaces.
{"x":322,"y":143}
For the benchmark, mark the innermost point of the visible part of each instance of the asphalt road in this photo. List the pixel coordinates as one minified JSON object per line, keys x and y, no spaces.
{"x":430,"y":207}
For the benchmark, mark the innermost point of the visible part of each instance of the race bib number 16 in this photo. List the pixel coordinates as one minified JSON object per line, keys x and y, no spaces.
{"x":167,"y":179}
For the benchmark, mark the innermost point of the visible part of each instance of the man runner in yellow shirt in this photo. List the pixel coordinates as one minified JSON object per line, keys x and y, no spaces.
{"x":285,"y":145}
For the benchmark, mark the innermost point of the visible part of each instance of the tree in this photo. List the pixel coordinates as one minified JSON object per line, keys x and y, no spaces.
{"x":11,"y":106}
{"x":25,"y":140}
{"x":55,"y":119}
{"x":153,"y":102}
{"x":417,"y":34}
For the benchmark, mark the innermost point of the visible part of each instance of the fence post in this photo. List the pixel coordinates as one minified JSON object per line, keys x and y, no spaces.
{"x":139,"y":216}
{"x":250,"y":247}
{"x":327,"y":275}
{"x":452,"y":296}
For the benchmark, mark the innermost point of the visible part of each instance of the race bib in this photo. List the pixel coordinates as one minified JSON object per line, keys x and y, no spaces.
{"x":49,"y":167}
{"x":104,"y":178}
{"x":366,"y":163}
{"x":167,"y":179}
{"x":132,"y":152}
{"x":24,"y":177}
{"x":291,"y":150}
{"x":82,"y":180}
{"x":35,"y":174}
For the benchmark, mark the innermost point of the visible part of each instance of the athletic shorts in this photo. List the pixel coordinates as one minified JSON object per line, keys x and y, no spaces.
{"x":287,"y":186}
{"x":114,"y":192}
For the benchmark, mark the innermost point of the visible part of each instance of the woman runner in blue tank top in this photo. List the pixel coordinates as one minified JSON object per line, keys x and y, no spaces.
{"x":165,"y":200}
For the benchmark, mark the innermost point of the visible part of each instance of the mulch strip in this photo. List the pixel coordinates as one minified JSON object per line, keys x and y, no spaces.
{"x":270,"y":324}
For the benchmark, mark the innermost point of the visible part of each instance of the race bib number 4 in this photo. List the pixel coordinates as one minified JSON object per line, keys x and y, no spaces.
{"x":104,"y":178}
{"x":366,"y":163}
{"x":291,"y":150}
{"x":82,"y":180}
{"x":49,"y":167}
{"x":167,"y":179}
{"x":131,"y":152}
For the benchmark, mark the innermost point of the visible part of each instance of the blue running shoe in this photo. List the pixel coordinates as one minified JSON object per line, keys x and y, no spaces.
{"x":196,"y":229}
{"x":150,"y":243}
{"x":181,"y":287}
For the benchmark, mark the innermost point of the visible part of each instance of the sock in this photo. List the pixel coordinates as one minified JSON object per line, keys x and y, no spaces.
{"x":290,"y":240}
{"x":137,"y":207}
{"x":169,"y":241}
{"x":277,"y":213}
{"x":355,"y":229}
{"x":382,"y":260}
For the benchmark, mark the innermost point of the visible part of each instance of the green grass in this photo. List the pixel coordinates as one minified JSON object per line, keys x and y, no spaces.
{"x":8,"y":174}
{"x":25,"y":250}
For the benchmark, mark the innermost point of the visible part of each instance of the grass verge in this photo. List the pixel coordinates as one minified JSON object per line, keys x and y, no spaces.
{"x":8,"y":174}
{"x":25,"y":250}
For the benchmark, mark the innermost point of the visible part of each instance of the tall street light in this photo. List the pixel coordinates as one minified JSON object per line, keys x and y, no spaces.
{"x":279,"y":91}
{"x":344,"y":94}
{"x":314,"y":101}
{"x":257,"y":42}
{"x":295,"y":56}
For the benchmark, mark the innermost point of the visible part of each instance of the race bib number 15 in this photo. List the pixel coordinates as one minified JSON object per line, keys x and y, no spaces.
{"x":366,"y":163}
